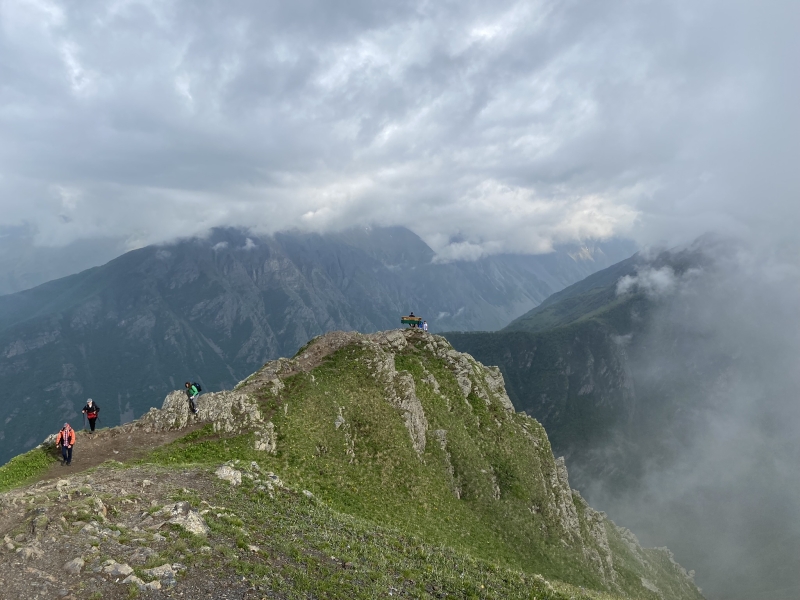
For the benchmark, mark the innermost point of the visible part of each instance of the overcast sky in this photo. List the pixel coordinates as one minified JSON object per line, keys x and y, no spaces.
{"x":483,"y":126}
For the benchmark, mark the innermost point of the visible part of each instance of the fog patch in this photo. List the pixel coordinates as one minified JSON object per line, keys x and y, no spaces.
{"x":717,"y":369}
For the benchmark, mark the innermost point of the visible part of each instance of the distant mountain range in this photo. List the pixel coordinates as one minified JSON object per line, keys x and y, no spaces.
{"x":214,"y":309}
{"x":668,"y":382}
{"x":572,"y":363}
{"x":24,"y":264}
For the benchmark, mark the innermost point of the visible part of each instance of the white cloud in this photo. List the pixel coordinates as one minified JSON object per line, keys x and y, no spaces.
{"x":653,"y":282}
{"x":510,"y":126}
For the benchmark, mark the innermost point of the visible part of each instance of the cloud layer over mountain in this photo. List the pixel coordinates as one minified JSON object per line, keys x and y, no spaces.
{"x":485,"y":127}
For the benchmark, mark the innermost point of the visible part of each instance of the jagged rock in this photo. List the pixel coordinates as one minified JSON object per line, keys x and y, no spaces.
{"x":497,"y":386}
{"x":91,"y":529}
{"x":174,"y":414}
{"x":182,"y":514}
{"x":116,"y":569}
{"x":136,"y":581}
{"x":141,"y":555}
{"x":401,"y":390}
{"x":441,"y":436}
{"x":74,"y":566}
{"x":562,"y":500}
{"x":99,"y":507}
{"x":266,"y":439}
{"x":405,"y":398}
{"x":141,"y":585}
{"x":596,"y":548}
{"x":229,"y":474}
{"x":165,"y":573}
{"x":30,"y":552}
{"x":228,"y":411}
{"x":649,"y":585}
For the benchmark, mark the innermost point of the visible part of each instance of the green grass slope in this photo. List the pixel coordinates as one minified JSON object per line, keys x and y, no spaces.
{"x":422,"y":475}
{"x":486,"y":483}
{"x":592,"y":295}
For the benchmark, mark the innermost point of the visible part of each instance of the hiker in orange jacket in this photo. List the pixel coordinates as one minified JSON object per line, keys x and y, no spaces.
{"x":66,"y":439}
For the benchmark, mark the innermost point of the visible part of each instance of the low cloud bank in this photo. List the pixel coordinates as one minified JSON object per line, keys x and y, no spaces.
{"x":722,"y":485}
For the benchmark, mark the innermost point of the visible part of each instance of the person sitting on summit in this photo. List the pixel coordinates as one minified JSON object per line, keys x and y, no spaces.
{"x":90,"y":410}
{"x":192,"y":392}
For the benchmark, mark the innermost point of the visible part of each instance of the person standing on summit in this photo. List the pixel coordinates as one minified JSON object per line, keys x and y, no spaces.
{"x":192,"y":392}
{"x":66,"y":439}
{"x":90,"y":410}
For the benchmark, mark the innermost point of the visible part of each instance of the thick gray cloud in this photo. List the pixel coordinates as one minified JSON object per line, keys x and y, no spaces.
{"x":485,"y":127}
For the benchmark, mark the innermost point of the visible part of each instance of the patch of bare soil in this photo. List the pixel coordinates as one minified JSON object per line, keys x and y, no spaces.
{"x":81,"y":537}
{"x":122,"y":444}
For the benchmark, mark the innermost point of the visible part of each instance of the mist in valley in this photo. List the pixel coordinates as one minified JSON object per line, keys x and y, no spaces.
{"x":718,"y":363}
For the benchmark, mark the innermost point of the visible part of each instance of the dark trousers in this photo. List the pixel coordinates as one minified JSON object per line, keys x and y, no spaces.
{"x":67,"y":454}
{"x":92,"y":422}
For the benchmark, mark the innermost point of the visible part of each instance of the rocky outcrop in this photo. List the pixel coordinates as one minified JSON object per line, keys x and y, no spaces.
{"x":229,"y":412}
{"x":401,"y":390}
{"x":561,"y":497}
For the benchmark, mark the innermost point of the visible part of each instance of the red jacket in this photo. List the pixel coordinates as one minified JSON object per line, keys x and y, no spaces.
{"x":66,"y":437}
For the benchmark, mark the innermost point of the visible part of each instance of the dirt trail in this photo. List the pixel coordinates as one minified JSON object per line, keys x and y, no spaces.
{"x":121,"y":443}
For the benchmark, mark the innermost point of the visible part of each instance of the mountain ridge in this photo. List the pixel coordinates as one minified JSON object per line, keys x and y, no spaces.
{"x":416,"y":441}
{"x":214,"y":309}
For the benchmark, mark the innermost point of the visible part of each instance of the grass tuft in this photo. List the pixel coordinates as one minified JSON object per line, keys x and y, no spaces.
{"x":21,"y":469}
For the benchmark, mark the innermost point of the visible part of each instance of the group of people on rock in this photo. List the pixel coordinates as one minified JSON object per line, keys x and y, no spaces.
{"x":422,"y":325}
{"x":65,"y":440}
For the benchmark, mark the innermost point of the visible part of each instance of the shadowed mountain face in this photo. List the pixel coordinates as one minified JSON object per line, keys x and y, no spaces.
{"x":213,"y":310}
{"x":669,"y":384}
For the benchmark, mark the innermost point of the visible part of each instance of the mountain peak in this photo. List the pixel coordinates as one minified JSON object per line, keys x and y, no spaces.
{"x":361,"y":446}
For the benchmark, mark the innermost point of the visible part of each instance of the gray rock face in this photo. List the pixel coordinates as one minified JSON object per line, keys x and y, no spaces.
{"x":116,"y":569}
{"x":31,"y":552}
{"x":403,"y":395}
{"x":229,"y":474}
{"x":266,"y":439}
{"x":165,"y":574}
{"x":229,"y":412}
{"x":181,"y":513}
{"x":562,"y":500}
{"x":74,"y":566}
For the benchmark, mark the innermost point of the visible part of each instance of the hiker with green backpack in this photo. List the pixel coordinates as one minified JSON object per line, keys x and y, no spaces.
{"x":192,"y":392}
